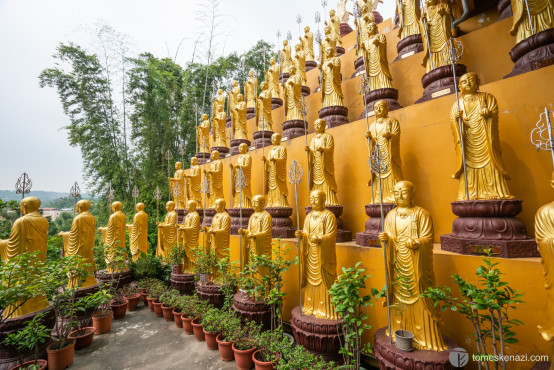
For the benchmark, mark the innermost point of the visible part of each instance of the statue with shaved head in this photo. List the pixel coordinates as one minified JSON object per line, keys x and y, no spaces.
{"x":113,"y":236}
{"x":167,"y":231}
{"x":79,"y":240}
{"x":138,"y":233}
{"x":257,"y":237}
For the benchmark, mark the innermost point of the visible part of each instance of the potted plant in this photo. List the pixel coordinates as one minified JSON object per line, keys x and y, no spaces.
{"x":244,"y":344}
{"x":132,"y":295}
{"x":270,"y":344}
{"x":204,"y":264}
{"x":349,"y":305}
{"x":175,"y":258}
{"x":177,"y":311}
{"x":30,"y":338}
{"x":102,"y":319}
{"x":199,"y":310}
{"x":212,"y":322}
{"x":166,"y":299}
{"x":227,"y":279}
{"x":152,"y":287}
{"x":154,"y":294}
{"x":297,"y":357}
{"x":403,"y":338}
{"x":84,"y":334}
{"x":229,"y":326}
{"x":186,"y":304}
{"x":118,"y":304}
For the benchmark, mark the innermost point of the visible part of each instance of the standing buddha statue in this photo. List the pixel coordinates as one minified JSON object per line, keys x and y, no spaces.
{"x":190,"y":230}
{"x":374,"y":49}
{"x":331,"y":80}
{"x":193,"y":180}
{"x":219,"y":100}
{"x":113,"y":238}
{"x":214,"y":174}
{"x":243,"y":196}
{"x":264,"y":120}
{"x":218,"y":129}
{"x":300,"y":63}
{"x":219,"y":234}
{"x":409,"y":14}
{"x":233,"y":95}
{"x":178,"y":178}
{"x":167,"y":232}
{"x":239,"y":126}
{"x":287,"y":59}
{"x":308,"y":44}
{"x":251,"y":90}
{"x":293,"y":96}
{"x":257,"y":237}
{"x":272,"y":79}
{"x":276,"y":171}
{"x":438,"y":16}
{"x":138,"y":233}
{"x":334,"y":24}
{"x":203,"y":135}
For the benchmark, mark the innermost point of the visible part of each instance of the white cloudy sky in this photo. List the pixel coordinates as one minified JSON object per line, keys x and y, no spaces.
{"x":31,"y":117}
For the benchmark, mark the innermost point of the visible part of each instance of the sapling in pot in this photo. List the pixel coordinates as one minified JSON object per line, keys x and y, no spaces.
{"x":31,"y":337}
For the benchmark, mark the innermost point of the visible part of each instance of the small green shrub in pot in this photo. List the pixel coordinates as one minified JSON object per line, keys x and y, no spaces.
{"x":245,"y":337}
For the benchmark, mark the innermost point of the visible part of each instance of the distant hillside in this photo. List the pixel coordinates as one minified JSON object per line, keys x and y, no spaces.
{"x":44,"y":196}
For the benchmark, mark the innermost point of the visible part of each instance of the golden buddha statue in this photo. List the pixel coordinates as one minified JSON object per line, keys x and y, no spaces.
{"x":542,"y":16}
{"x":219,"y":128}
{"x":29,"y":234}
{"x":287,"y":57}
{"x":193,"y":180}
{"x":334,"y":24}
{"x":178,"y":178}
{"x":385,"y":132}
{"x":257,"y":237}
{"x":190,"y":230}
{"x":308,"y":44}
{"x":239,"y":126}
{"x":272,"y":79}
{"x":300,"y":63}
{"x":374,"y":50}
{"x":293,"y":96}
{"x":264,"y":120}
{"x":486,"y":173}
{"x":79,"y":241}
{"x":438,"y":17}
{"x":167,"y":232}
{"x":113,"y":236}
{"x":329,"y":41}
{"x":138,"y":233}
{"x":233,"y":95}
{"x":219,"y":234}
{"x":365,"y":19}
{"x":322,"y":165}
{"x":203,"y":135}
{"x":318,"y":261}
{"x":214,"y":174}
{"x":409,"y":13}
{"x":219,"y":100}
{"x":331,"y":80}
{"x":251,"y":90}
{"x":408,"y":232}
{"x":276,"y":173}
{"x":243,"y":197}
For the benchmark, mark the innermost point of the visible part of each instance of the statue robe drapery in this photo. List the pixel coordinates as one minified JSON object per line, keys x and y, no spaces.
{"x":293,"y":98}
{"x":190,"y":231}
{"x":410,"y":14}
{"x":193,"y":185}
{"x":138,"y":235}
{"x":542,"y":16}
{"x":260,"y":225}
{"x":276,"y":172}
{"x":204,"y":137}
{"x":331,"y":83}
{"x":113,"y":236}
{"x":215,"y":179}
{"x":439,"y":28}
{"x":167,"y":235}
{"x":219,"y":241}
{"x":243,"y":197}
{"x":79,"y":241}
{"x":219,"y":128}
{"x":322,"y":167}
{"x":376,"y":62}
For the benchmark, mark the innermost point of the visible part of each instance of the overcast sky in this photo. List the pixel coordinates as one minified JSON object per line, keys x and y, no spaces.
{"x":31,"y":118}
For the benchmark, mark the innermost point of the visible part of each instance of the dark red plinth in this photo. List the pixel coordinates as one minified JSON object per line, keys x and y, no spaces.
{"x":343,"y":235}
{"x":533,"y":53}
{"x":345,"y":29}
{"x":319,"y":336}
{"x":235,"y":218}
{"x":283,"y":77}
{"x":184,"y":283}
{"x":221,"y":149}
{"x":211,"y":293}
{"x":248,"y":309}
{"x":359,"y":68}
{"x":340,"y":51}
{"x":202,"y":157}
{"x":235,"y":145}
{"x":250,"y":113}
{"x":181,"y":214}
{"x":310,"y":64}
{"x":334,"y":115}
{"x":209,"y":214}
{"x":388,"y":95}
{"x":504,"y":9}
{"x":281,"y":222}
{"x":391,"y":358}
{"x":262,"y":138}
{"x":123,"y":278}
{"x":440,"y":82}
{"x":276,"y":103}
{"x":409,"y":46}
{"x":305,"y":91}
{"x":490,"y":224}
{"x":378,"y":17}
{"x":293,"y":128}
{"x":370,"y":236}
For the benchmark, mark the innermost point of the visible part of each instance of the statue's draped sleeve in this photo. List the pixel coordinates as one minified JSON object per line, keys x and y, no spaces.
{"x":544,"y":233}
{"x":191,"y":232}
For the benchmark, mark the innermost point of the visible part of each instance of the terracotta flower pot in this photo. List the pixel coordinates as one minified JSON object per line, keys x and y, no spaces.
{"x":143,"y":296}
{"x":167,"y":311}
{"x":132,"y":302}
{"x":262,"y":365}
{"x":243,"y":358}
{"x":177,"y":318}
{"x":102,"y":324}
{"x":225,"y":349}
{"x":187,"y":324}
{"x":83,"y":340}
{"x":150,"y":301}
{"x":177,"y":269}
{"x":211,"y":342}
{"x":40,"y":362}
{"x":198,"y":330}
{"x":158,"y":308}
{"x":119,"y":309}
{"x":59,"y":359}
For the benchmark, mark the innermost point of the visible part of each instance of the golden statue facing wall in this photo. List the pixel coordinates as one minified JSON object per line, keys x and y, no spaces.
{"x":264,"y":119}
{"x":243,"y":196}
{"x":542,"y":16}
{"x":408,"y":233}
{"x":276,"y":173}
{"x":214,"y":174}
{"x":486,"y":173}
{"x":138,"y":233}
{"x":438,"y":16}
{"x":113,"y":236}
{"x":190,"y":230}
{"x":318,"y":261}
{"x":257,"y":237}
{"x":239,"y":126}
{"x":167,"y":232}
{"x":374,"y":49}
{"x":331,"y":79}
{"x":193,"y":180}
{"x":203,"y":135}
{"x":29,"y":234}
{"x":293,"y":96}
{"x":219,"y":234}
{"x":219,"y":128}
{"x":251,"y":90}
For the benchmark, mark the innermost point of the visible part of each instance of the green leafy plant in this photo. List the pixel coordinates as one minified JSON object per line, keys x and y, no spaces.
{"x":176,"y":255}
{"x":84,"y":308}
{"x":227,"y":279}
{"x":205,"y":261}
{"x":229,"y":326}
{"x":404,"y":282}
{"x":245,"y":337}
{"x":270,"y":344}
{"x":212,"y":320}
{"x":168,"y":297}
{"x":102,"y":299}
{"x":297,"y":357}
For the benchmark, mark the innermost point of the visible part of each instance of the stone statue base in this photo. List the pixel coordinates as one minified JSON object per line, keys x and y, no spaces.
{"x":370,"y":236}
{"x":250,"y":113}
{"x":334,"y":115}
{"x":181,"y":214}
{"x":281,"y":222}
{"x":378,"y":17}
{"x":283,"y":77}
{"x":202,"y":157}
{"x":541,"y":366}
{"x":504,"y":9}
{"x":262,"y":138}
{"x":211,"y":293}
{"x":359,"y":67}
{"x":345,"y":29}
{"x":235,"y":218}
{"x":209,"y":214}
{"x":184,"y":283}
{"x":305,"y":91}
{"x":340,"y":51}
{"x":343,"y":236}
{"x":533,"y":53}
{"x":221,"y":149}
{"x":293,"y":128}
{"x":235,"y":145}
{"x":391,"y":358}
{"x":276,"y":103}
{"x":388,"y":95}
{"x":440,"y":82}
{"x":248,"y":309}
{"x":489,"y":224}
{"x":319,"y":336}
{"x":409,"y":46}
{"x":310,"y":64}
{"x":121,"y":278}
{"x":9,"y":355}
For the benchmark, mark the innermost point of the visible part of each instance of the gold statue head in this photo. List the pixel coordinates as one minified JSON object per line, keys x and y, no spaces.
{"x":219,"y":92}
{"x":240,"y":97}
{"x":297,"y":47}
{"x":292,"y":70}
{"x":243,"y":148}
{"x":219,"y":205}
{"x":170,"y":206}
{"x":404,"y":194}
{"x":469,"y":83}
{"x":235,"y":83}
{"x":194,"y":161}
{"x":317,"y":200}
{"x":272,"y":61}
{"x":365,"y":9}
{"x":139,"y":207}
{"x":29,"y":205}
{"x":320,"y":125}
{"x":204,"y":117}
{"x":329,"y":52}
{"x":381,"y":108}
{"x":276,"y":139}
{"x":220,"y":108}
{"x":327,"y":30}
{"x":307,"y":29}
{"x":191,"y":205}
{"x":430,"y":2}
{"x":258,"y":203}
{"x":263,"y":85}
{"x":285,"y":42}
{"x":117,"y":206}
{"x":251,"y":73}
{"x":83,"y":206}
{"x":372,"y":28}
{"x":215,"y":155}
{"x":178,"y":165}
{"x":332,"y":13}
